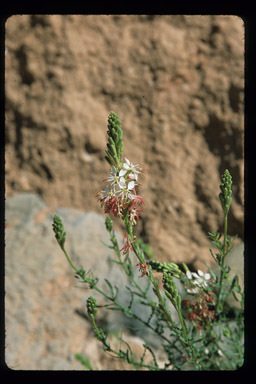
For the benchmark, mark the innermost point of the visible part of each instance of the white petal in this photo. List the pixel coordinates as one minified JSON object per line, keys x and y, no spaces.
{"x":189,"y":275}
{"x":207,"y":276}
{"x":122,"y":172}
{"x":200,"y":273}
{"x":127,"y":161}
{"x":195,"y":275}
{"x":122,"y":182}
{"x":126,"y":166}
{"x":193,"y":290}
{"x":133,"y":176}
{"x":131,"y":185}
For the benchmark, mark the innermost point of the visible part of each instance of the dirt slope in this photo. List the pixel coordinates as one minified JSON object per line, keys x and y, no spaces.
{"x":177,"y":84}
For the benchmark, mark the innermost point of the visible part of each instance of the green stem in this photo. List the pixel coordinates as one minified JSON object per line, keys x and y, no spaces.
{"x":95,"y":326}
{"x":162,"y":304}
{"x":184,"y":330}
{"x":120,"y":307}
{"x":190,"y":347}
{"x":222,"y":262}
{"x":124,"y":266}
{"x":134,"y":362}
{"x":225,"y":235}
{"x":120,"y":353}
{"x":222,"y":350}
{"x":141,"y":259}
{"x":117,"y":251}
{"x":69,"y":261}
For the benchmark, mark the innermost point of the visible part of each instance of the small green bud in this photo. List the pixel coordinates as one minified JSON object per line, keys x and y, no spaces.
{"x":170,"y":288}
{"x":91,"y":306}
{"x":225,"y":195}
{"x":58,"y":229}
{"x":115,"y":143}
{"x":109,"y":224}
{"x":171,"y":268}
{"x":113,"y":121}
{"x":80,"y":274}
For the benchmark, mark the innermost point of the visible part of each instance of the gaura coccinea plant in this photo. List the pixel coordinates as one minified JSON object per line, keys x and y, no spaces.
{"x":206,"y":333}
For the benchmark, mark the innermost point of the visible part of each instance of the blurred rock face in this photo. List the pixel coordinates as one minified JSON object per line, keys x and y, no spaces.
{"x":177,"y":84}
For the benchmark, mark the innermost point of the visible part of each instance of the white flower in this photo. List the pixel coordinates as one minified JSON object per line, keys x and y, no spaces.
{"x":124,"y":189}
{"x":122,"y":184}
{"x":113,"y":178}
{"x":106,"y":194}
{"x":117,"y":185}
{"x":131,"y":168}
{"x":198,"y":280}
{"x":201,"y":278}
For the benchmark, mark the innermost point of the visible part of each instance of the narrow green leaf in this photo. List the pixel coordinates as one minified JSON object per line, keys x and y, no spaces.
{"x":84,"y":361}
{"x":110,"y":287}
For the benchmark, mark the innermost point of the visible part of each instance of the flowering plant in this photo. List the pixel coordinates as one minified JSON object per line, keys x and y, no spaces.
{"x":208,"y":334}
{"x":119,"y":195}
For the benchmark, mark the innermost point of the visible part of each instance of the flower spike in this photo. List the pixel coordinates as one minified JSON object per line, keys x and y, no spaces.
{"x":58,"y":229}
{"x":225,"y":195}
{"x":91,"y":306}
{"x":119,"y":195}
{"x":115,"y":143}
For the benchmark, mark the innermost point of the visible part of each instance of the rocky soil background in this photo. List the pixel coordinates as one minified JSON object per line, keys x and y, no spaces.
{"x":177,"y":84}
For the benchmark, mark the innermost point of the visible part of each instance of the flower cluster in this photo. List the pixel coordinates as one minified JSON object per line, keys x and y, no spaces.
{"x":200,"y":309}
{"x":119,"y":195}
{"x":196,"y":281}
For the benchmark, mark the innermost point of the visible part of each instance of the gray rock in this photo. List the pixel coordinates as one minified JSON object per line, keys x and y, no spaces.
{"x":235,"y":259}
